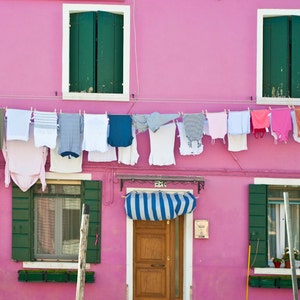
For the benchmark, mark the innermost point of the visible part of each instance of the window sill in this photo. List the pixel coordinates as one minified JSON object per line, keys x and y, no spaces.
{"x":52,"y":265}
{"x":95,"y":97}
{"x":277,"y":101}
{"x":275,"y":271}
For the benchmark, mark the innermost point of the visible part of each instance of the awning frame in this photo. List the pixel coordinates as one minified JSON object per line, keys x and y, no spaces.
{"x":162,"y":179}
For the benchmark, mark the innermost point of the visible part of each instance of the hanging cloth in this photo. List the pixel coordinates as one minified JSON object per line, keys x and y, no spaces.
{"x":2,"y":122}
{"x":194,"y":127}
{"x":281,"y":124}
{"x":45,"y":129}
{"x":17,"y":127}
{"x":158,"y":205}
{"x":70,"y":131}
{"x":120,"y":134}
{"x":24,"y":163}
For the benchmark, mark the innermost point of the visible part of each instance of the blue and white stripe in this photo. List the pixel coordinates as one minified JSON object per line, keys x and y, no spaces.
{"x":158,"y":205}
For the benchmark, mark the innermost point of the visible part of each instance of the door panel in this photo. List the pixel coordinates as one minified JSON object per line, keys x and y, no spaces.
{"x":155,"y":257}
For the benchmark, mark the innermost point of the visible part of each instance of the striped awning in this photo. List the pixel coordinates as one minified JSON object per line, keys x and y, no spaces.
{"x":158,"y":205}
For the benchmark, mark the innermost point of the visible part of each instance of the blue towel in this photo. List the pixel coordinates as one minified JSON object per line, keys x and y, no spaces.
{"x":120,"y":133}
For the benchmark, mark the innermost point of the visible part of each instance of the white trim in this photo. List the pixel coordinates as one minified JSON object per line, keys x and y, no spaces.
{"x":278,"y":181}
{"x":261,"y":14}
{"x":187,"y":255}
{"x":118,"y":9}
{"x":52,"y":265}
{"x":275,"y":271}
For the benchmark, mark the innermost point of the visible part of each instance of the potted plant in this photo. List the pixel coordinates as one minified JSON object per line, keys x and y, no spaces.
{"x":286,"y":256}
{"x":277,"y":262}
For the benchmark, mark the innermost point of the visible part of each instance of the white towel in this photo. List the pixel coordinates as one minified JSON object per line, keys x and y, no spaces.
{"x":97,"y":156}
{"x":237,"y":142}
{"x":129,"y":155}
{"x":162,"y":145}
{"x":18,"y":121}
{"x":95,"y":133}
{"x":66,"y":164}
{"x":45,"y":129}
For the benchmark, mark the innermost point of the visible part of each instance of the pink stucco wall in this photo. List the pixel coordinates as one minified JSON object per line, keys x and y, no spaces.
{"x":190,"y":56}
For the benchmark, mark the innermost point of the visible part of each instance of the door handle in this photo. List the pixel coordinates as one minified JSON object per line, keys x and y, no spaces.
{"x":157,"y":265}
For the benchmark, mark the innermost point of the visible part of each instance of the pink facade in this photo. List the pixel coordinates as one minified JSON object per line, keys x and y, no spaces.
{"x":186,"y":56}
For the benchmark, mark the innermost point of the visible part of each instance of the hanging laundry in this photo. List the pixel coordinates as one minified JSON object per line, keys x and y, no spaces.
{"x":24,"y":163}
{"x":2,"y":126}
{"x":162,"y":145}
{"x":281,"y":124}
{"x":120,"y":134}
{"x":260,"y":122}
{"x":217,"y":124}
{"x":155,"y":120}
{"x":237,"y":142}
{"x":107,"y":156}
{"x":70,"y":131}
{"x":238,"y":122}
{"x":297,"y":117}
{"x":66,"y":164}
{"x":184,"y":148}
{"x":295,"y":127}
{"x":129,"y":155}
{"x":140,"y":123}
{"x":194,"y":126}
{"x":45,"y":129}
{"x":17,"y":127}
{"x":152,"y":121}
{"x":95,"y":133}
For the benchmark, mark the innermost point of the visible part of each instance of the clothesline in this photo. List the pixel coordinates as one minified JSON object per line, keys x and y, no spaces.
{"x":108,"y":137}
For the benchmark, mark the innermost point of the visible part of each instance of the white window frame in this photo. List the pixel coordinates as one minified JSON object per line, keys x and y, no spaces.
{"x":59,"y":264}
{"x":117,"y":9}
{"x":187,"y":248}
{"x":261,"y":14}
{"x":276,"y":181}
{"x":58,"y":234}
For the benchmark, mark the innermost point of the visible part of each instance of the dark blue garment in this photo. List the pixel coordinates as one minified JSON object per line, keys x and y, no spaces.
{"x":120,"y":132}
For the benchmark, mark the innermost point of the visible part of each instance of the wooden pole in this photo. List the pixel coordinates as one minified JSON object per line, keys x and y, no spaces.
{"x":291,"y":243}
{"x":82,"y":252}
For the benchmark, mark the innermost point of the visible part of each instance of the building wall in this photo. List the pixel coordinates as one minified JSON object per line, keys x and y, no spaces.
{"x":187,"y":56}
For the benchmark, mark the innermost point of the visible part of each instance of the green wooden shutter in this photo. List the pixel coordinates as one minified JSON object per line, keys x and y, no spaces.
{"x":83,"y":52}
{"x":22,"y":225}
{"x":110,"y":53}
{"x":276,"y":57}
{"x":295,"y":50}
{"x":92,"y":196}
{"x":258,"y":226}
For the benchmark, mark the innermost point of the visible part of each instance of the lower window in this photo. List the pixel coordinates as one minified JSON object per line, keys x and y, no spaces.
{"x":46,"y":224}
{"x":277,"y":234}
{"x":57,"y":221}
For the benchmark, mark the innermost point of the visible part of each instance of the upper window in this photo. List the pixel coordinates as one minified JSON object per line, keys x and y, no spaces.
{"x":96,"y":52}
{"x":278,"y":58}
{"x":46,"y":224}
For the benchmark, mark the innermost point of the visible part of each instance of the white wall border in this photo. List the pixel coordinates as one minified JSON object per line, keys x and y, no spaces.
{"x":187,"y":252}
{"x":277,"y":181}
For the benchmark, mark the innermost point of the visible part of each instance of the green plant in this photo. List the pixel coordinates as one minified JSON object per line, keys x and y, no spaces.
{"x":286,"y":254}
{"x":277,"y":259}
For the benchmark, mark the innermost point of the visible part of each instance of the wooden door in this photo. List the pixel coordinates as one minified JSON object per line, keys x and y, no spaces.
{"x":157,"y":260}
